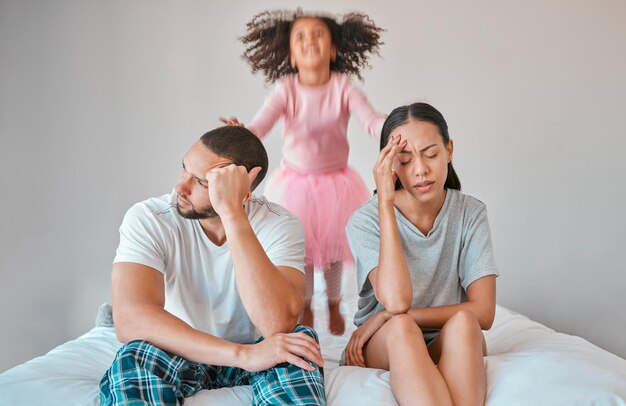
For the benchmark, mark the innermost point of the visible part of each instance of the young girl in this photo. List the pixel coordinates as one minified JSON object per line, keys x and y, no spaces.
{"x":425,"y":268}
{"x":310,"y":58}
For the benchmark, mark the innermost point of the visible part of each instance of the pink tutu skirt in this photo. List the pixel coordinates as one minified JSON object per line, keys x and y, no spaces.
{"x":323,"y":202}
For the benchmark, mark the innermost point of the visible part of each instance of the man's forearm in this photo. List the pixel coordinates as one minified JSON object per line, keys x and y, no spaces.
{"x":169,"y":333}
{"x":272,"y":302}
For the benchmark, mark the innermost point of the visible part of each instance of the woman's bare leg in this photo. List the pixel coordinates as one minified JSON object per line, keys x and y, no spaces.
{"x":458,"y":352}
{"x":399,"y":347}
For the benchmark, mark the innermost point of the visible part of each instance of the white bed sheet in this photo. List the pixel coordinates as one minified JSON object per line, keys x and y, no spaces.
{"x":528,"y":364}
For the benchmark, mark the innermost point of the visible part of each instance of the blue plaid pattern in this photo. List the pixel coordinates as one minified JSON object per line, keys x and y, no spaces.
{"x":143,"y":374}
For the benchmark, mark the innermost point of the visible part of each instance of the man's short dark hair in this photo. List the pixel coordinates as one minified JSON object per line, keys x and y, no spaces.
{"x":240,"y":145}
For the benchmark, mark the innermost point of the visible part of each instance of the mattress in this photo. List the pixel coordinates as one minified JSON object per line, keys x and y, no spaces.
{"x":528,"y":364}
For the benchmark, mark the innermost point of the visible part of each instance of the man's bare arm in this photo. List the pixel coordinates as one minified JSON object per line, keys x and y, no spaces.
{"x":139,"y":314}
{"x":271,"y":295}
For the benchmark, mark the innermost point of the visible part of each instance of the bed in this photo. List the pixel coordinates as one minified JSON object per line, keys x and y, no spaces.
{"x":528,"y":364}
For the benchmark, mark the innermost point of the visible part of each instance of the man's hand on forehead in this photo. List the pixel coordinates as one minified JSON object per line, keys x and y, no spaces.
{"x":229,"y":186}
{"x":221,"y":164}
{"x":231,"y":169}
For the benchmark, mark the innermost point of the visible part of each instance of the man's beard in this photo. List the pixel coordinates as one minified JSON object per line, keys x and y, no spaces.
{"x":192,"y":214}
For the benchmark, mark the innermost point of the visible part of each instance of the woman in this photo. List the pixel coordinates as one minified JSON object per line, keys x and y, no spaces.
{"x":425,"y":265}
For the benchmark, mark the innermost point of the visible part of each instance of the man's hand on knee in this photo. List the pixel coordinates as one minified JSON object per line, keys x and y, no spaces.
{"x":279,"y":348}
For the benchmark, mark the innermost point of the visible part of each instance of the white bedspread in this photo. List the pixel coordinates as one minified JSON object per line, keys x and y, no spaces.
{"x":528,"y":364}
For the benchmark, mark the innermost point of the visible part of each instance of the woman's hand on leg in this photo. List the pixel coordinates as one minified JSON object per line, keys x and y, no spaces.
{"x":360,"y":337}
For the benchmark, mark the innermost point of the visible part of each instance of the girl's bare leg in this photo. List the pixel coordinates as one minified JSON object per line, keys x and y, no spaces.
{"x":332,"y":275}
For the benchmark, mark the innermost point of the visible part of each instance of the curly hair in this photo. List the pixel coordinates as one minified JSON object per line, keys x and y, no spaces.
{"x":267,"y":42}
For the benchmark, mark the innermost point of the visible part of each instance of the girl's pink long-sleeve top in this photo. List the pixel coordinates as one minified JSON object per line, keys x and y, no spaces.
{"x":315,"y":121}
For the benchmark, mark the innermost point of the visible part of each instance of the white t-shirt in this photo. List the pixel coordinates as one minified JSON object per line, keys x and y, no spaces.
{"x":199,"y":278}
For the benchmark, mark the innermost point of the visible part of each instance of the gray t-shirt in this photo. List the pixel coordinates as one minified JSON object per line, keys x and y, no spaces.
{"x":442,"y":264}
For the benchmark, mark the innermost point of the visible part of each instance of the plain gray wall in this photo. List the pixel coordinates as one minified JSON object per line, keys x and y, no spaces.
{"x":100,"y":100}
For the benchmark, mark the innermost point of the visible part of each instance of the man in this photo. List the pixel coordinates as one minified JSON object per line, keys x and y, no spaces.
{"x":200,"y":274}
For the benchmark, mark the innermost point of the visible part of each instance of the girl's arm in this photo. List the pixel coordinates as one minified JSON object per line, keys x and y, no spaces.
{"x":272,"y":110}
{"x":481,"y":296}
{"x":363,"y":110}
{"x":390,"y":280}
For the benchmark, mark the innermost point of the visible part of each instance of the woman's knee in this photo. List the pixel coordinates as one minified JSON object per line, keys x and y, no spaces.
{"x":463,"y":321}
{"x":402,"y":328}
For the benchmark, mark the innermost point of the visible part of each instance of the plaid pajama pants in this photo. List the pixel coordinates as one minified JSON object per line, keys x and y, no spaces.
{"x":143,"y":374}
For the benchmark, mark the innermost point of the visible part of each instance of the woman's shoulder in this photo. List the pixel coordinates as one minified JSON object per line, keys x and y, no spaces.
{"x":465,"y":198}
{"x":464,"y":203}
{"x":367,"y":213}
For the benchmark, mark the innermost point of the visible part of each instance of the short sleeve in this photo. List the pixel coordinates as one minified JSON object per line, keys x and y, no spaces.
{"x":363,"y":234}
{"x":283,"y":242}
{"x":477,"y":258}
{"x":141,"y":240}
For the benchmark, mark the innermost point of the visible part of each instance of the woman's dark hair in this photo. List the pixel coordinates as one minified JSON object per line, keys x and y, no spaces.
{"x":240,"y":145}
{"x":420,"y":112}
{"x":267,"y":42}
